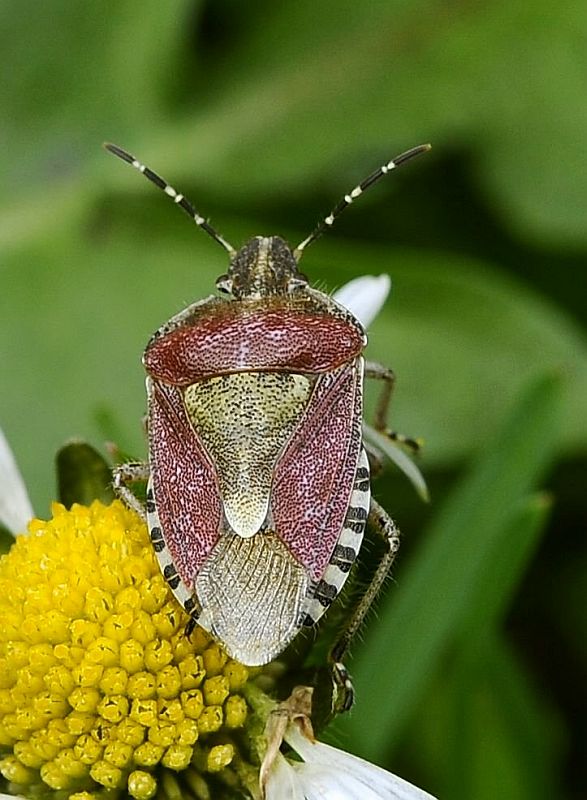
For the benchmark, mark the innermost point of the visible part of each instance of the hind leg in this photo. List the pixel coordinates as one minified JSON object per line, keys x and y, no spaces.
{"x":380,"y":521}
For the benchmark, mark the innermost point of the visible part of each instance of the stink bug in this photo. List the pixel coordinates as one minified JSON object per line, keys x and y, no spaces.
{"x":258,"y":478}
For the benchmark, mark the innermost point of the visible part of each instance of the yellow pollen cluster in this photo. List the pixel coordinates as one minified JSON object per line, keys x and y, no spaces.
{"x":99,"y":685}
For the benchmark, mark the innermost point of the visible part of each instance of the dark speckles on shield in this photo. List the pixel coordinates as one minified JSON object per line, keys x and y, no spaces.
{"x":189,"y":605}
{"x":244,"y":421}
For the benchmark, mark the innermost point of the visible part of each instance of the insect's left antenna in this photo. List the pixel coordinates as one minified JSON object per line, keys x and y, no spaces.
{"x":177,"y":198}
{"x":328,"y":221}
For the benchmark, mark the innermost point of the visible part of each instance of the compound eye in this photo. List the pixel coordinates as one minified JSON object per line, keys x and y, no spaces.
{"x":224,"y":284}
{"x":297,"y":282}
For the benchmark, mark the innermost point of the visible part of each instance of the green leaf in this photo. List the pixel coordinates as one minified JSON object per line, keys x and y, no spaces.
{"x":512,"y":552}
{"x":424,"y":614}
{"x":6,"y":540}
{"x":82,"y":475}
{"x":500,"y":735}
{"x":505,"y":739}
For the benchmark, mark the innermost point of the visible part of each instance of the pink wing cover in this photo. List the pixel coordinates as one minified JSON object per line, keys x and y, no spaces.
{"x":231,"y":338}
{"x":184,"y":482}
{"x":315,"y":475}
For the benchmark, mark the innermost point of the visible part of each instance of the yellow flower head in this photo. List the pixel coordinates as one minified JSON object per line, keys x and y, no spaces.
{"x":99,"y":686}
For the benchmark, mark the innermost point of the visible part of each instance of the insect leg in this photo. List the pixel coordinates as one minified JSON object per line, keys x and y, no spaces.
{"x":383,"y":524}
{"x":131,"y":472}
{"x":387,"y":376}
{"x":376,"y":459}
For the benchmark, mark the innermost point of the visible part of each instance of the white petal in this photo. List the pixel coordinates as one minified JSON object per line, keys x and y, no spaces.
{"x":364,"y":296}
{"x":322,"y":783}
{"x":15,"y":507}
{"x":282,"y":782}
{"x":337,"y":775}
{"x":399,"y":458}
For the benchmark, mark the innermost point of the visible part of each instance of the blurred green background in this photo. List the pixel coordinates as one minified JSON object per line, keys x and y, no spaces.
{"x":471,"y":676}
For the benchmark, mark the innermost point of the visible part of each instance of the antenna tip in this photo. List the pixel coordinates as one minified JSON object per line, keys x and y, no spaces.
{"x":420,"y":149}
{"x":118,"y":151}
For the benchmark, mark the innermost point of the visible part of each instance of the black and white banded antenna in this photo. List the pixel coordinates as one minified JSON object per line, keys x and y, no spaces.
{"x":328,"y":221}
{"x":177,"y":198}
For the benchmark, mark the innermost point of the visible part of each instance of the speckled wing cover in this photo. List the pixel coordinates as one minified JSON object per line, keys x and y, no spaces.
{"x":259,"y":489}
{"x":314,"y":476}
{"x":183,"y":504}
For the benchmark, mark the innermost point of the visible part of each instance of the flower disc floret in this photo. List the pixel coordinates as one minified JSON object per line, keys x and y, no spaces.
{"x":99,"y":686}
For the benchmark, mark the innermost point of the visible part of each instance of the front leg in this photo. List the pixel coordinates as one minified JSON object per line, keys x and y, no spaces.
{"x":378,"y":372}
{"x":131,"y":472}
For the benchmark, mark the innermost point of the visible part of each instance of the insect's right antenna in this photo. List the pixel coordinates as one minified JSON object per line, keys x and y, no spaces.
{"x":177,"y":198}
{"x":328,"y":221}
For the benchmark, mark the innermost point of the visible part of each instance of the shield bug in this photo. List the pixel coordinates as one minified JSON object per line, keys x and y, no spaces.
{"x":258,"y":477}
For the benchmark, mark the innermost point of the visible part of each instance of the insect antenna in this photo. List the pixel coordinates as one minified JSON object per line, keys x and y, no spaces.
{"x":328,"y":221}
{"x":177,"y":198}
